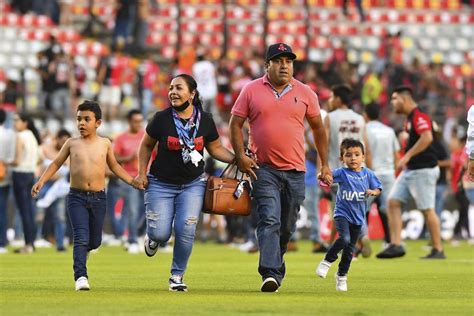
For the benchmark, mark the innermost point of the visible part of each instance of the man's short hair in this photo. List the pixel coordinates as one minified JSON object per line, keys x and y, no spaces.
{"x":63,"y":133}
{"x":403,"y":90}
{"x":351,"y":143}
{"x":92,"y":106}
{"x":373,"y":111}
{"x":3,"y":116}
{"x":131,"y":113}
{"x":343,"y":92}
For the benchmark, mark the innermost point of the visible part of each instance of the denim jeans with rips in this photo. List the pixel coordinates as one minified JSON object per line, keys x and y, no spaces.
{"x":179,"y":204}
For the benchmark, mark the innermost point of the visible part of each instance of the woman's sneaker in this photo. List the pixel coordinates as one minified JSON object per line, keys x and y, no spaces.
{"x":323,"y":269}
{"x":150,"y":246}
{"x":82,"y":284}
{"x":176,"y":284}
{"x":341,"y":283}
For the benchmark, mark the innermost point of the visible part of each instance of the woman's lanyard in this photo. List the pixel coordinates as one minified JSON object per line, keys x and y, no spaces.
{"x":186,"y":141}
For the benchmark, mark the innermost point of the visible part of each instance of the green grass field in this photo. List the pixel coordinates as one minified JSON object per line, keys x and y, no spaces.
{"x":224,"y":281}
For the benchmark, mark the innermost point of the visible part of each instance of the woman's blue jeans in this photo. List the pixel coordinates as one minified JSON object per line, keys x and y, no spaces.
{"x":22,"y":184}
{"x":179,"y":204}
{"x":278,"y":195}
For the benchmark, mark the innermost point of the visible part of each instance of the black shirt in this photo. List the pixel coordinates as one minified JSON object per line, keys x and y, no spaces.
{"x":168,"y":165}
{"x":417,"y":123}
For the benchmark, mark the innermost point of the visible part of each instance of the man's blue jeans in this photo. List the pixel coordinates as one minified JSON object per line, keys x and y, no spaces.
{"x":3,"y":214}
{"x":311,"y":203}
{"x":278,"y":195}
{"x":131,"y":212}
{"x":167,"y":203}
{"x":348,"y":235}
{"x":86,"y":212}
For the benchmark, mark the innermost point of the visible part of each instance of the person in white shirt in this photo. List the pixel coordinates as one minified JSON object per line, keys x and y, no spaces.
{"x":24,"y":166}
{"x":7,"y":155}
{"x":384,"y":146}
{"x":204,"y":72}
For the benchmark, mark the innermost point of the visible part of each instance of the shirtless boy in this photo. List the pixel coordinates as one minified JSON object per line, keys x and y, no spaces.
{"x":86,"y":201}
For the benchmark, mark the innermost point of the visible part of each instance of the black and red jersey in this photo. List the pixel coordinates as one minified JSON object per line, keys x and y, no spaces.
{"x":418,"y":122}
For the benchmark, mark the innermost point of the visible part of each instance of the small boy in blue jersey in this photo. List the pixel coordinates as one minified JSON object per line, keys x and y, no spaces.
{"x":356,"y":184}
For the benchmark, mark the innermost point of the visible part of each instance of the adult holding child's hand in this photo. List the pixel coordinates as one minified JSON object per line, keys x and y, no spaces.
{"x":176,"y":184}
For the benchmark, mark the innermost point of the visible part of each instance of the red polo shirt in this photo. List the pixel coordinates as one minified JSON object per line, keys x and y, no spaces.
{"x":277,"y":124}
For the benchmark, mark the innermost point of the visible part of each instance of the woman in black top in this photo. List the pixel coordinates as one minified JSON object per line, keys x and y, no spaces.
{"x":175,"y":184}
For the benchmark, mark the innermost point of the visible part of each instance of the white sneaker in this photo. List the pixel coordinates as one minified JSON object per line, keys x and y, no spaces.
{"x":323,"y":268}
{"x":133,"y":248}
{"x":341,"y":283}
{"x":82,"y":284}
{"x":150,"y":246}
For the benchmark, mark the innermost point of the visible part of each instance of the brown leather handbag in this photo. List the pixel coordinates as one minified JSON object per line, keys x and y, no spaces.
{"x":227,"y":194}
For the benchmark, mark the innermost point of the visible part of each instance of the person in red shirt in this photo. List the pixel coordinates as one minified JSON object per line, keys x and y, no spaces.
{"x":418,"y":178}
{"x":125,"y":149}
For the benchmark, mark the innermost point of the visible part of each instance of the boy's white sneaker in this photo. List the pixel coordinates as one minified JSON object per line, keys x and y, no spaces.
{"x":82,"y":284}
{"x":323,"y":268}
{"x":341,"y":283}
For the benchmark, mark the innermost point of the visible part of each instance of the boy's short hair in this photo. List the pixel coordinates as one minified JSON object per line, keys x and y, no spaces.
{"x":343,"y":92}
{"x":92,"y":106}
{"x":373,"y":111}
{"x":131,"y":113}
{"x":351,"y":143}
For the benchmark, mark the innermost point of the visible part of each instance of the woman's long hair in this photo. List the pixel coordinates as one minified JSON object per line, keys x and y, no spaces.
{"x":192,"y":85}
{"x":30,"y":125}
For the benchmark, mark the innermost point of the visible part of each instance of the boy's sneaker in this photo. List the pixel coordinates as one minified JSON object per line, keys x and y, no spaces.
{"x":435,"y":254}
{"x":341,"y":283}
{"x":269,"y":285}
{"x":82,"y":284}
{"x":323,"y":268}
{"x":176,"y":284}
{"x":392,"y":251}
{"x":150,"y":246}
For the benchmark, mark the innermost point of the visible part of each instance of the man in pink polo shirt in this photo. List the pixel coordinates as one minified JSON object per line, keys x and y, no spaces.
{"x":276,"y":106}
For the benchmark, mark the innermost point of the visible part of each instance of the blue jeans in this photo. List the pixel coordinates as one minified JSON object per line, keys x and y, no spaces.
{"x":131,"y":212}
{"x":439,"y":202}
{"x":86,"y":212}
{"x":22,"y":184}
{"x":348,"y":235}
{"x":278,"y":195}
{"x":311,"y":204}
{"x":3,"y":214}
{"x":167,"y":203}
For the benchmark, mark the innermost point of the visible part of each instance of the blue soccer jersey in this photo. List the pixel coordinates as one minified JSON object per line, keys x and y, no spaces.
{"x":351,"y":202}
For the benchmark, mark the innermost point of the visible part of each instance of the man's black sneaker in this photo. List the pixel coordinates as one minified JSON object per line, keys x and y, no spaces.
{"x":270,"y":285}
{"x":392,"y":251}
{"x":435,"y":254}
